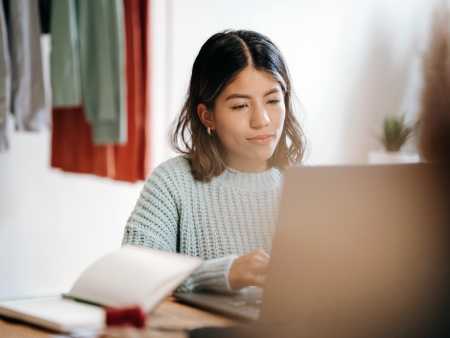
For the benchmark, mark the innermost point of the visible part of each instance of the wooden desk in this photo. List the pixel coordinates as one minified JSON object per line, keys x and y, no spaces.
{"x":169,"y":315}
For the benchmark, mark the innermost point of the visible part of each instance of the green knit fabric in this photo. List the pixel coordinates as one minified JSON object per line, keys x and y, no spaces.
{"x":230,"y":216}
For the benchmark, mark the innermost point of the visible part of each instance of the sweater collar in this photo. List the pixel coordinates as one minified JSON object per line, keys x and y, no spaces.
{"x":271,"y":178}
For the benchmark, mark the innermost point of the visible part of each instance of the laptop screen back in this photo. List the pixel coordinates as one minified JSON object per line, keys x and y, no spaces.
{"x":358,"y":249}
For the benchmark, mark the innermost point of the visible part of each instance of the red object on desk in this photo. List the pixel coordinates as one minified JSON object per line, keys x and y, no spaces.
{"x":132,"y":316}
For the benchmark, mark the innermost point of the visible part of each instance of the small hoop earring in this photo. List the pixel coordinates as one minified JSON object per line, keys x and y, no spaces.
{"x":209,"y":131}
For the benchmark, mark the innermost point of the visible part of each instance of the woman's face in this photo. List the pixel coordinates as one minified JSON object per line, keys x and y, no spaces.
{"x":248,"y":118}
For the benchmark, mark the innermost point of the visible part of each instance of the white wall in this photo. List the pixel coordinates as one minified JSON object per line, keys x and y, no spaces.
{"x":352,"y":63}
{"x":53,"y":224}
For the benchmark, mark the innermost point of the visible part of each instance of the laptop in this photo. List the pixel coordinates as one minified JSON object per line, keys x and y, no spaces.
{"x":353,"y":244}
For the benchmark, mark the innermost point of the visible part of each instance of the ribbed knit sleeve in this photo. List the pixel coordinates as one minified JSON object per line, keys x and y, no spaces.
{"x":154,"y":223}
{"x":154,"y":220}
{"x":212,"y":275}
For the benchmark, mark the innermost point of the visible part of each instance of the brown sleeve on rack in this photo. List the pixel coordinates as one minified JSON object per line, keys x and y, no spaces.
{"x":72,"y":149}
{"x":129,"y":158}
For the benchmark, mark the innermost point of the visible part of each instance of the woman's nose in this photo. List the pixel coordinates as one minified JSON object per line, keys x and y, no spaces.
{"x":260,"y":118}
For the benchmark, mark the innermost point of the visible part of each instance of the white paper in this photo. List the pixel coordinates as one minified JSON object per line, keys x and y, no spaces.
{"x":133,"y":276}
{"x":56,"y":313}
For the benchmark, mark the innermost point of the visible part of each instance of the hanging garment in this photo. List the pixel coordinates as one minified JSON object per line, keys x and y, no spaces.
{"x":145,"y":15}
{"x":130,"y":158}
{"x":73,"y":149}
{"x":102,"y":59}
{"x":27,"y":82}
{"x":72,"y":146}
{"x":5,"y":80}
{"x":65,"y":56}
{"x":44,"y":15}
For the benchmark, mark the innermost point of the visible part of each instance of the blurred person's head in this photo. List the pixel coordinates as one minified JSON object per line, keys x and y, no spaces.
{"x":434,"y":140}
{"x":434,"y":146}
{"x":239,"y":110}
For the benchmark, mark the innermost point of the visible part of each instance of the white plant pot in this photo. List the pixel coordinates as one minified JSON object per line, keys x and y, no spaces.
{"x":392,"y":157}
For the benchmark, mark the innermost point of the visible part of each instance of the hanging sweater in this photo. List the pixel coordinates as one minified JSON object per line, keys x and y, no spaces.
{"x":230,"y":216}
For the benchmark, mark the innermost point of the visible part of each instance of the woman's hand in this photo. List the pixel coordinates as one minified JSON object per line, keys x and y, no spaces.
{"x":247,"y":270}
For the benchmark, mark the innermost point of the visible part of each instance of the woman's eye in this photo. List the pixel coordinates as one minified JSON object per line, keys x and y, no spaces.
{"x":274,"y":101}
{"x":241,"y":106}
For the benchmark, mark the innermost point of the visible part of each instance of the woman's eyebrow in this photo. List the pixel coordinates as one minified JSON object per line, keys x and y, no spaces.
{"x":273,"y":90}
{"x":238,"y":96}
{"x":243,"y":96}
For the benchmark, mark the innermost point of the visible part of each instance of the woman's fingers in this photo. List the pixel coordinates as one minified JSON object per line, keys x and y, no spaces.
{"x":260,"y":263}
{"x":247,"y":270}
{"x":258,"y":281}
{"x":260,"y":268}
{"x":260,"y":254}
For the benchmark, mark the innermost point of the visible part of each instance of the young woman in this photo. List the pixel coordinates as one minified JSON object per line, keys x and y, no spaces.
{"x":219,"y":200}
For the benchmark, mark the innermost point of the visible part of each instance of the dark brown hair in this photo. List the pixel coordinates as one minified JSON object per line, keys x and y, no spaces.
{"x":218,"y":63}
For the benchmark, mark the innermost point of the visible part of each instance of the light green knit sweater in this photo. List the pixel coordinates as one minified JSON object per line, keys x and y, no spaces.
{"x":230,"y":216}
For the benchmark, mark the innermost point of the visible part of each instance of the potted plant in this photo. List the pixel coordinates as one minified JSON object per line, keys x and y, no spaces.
{"x":395,"y":134}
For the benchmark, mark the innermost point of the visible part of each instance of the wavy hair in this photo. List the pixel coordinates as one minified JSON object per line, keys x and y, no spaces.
{"x":223,"y":56}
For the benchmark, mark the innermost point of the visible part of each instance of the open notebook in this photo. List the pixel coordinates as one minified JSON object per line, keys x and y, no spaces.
{"x":128,"y":276}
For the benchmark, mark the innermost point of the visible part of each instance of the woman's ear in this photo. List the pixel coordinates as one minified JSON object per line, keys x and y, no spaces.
{"x":205,"y":116}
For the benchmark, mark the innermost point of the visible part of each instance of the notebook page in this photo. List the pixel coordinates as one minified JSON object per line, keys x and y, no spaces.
{"x":55,"y":313}
{"x":132,"y":275}
{"x":163,"y":289}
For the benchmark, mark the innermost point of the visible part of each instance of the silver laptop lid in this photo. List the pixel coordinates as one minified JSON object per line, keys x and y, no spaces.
{"x":357,"y":248}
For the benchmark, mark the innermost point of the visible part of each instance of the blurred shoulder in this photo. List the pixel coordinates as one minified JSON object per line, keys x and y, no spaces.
{"x":174,"y":168}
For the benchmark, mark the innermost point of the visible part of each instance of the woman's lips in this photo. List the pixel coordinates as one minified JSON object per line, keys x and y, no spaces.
{"x":261,"y":139}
